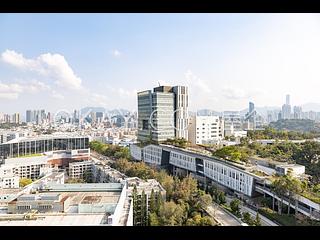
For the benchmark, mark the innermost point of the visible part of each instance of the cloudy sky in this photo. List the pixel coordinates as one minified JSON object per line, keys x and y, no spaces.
{"x":67,"y":61}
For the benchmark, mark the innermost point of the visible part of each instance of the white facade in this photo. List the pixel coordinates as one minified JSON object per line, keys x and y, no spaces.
{"x":23,"y":167}
{"x":78,"y":169}
{"x":9,"y":182}
{"x":181,"y":111}
{"x":229,"y":177}
{"x":152,"y":154}
{"x":232,"y":122}
{"x":182,"y":160}
{"x":136,"y":152}
{"x":205,"y":129}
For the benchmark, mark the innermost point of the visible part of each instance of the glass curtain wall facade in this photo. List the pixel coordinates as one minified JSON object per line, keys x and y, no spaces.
{"x":34,"y":146}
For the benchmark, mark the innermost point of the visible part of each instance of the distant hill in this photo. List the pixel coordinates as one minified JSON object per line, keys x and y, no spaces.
{"x":298,"y":125}
{"x":208,"y":112}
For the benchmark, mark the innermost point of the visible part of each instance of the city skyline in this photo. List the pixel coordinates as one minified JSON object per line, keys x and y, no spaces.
{"x":71,"y":61}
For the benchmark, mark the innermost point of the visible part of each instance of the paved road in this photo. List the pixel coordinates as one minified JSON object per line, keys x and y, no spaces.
{"x":264,"y":221}
{"x":222,"y":216}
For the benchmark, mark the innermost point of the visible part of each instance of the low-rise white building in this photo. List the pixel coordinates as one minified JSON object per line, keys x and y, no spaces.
{"x":205,"y":129}
{"x":9,"y":182}
{"x":79,"y":169}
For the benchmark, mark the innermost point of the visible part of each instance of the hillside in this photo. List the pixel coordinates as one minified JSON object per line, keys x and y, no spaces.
{"x":299,"y":125}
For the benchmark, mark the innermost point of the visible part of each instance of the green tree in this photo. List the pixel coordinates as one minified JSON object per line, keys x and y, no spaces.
{"x":246,"y":217}
{"x":152,"y":206}
{"x":257,"y":221}
{"x":153,"y":219}
{"x":167,"y":183}
{"x":24,"y":182}
{"x":222,"y":197}
{"x":234,"y":205}
{"x":143,"y":209}
{"x":185,"y":189}
{"x":171,"y":214}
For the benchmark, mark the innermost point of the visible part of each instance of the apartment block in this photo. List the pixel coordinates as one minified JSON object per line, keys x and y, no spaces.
{"x":205,"y":129}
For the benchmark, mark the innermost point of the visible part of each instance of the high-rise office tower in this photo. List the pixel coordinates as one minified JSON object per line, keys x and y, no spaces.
{"x":28,"y":116}
{"x":297,"y":112}
{"x":286,"y":108}
{"x":163,"y":113}
{"x":181,"y":111}
{"x":288,"y":99}
{"x":16,"y":118}
{"x":250,"y":117}
{"x":251,"y":107}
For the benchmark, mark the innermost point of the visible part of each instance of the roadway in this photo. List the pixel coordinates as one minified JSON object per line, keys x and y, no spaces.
{"x":264,"y":221}
{"x":222,"y":216}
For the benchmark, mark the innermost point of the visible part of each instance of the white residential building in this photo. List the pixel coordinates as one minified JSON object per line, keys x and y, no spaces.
{"x":79,"y":169}
{"x":232,"y":122}
{"x":9,"y":182}
{"x":205,"y":129}
{"x":29,"y":167}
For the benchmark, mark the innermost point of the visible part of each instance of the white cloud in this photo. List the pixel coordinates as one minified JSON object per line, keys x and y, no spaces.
{"x":195,"y":82}
{"x":9,"y":96}
{"x":13,"y":90}
{"x":99,"y":99}
{"x":116,"y":53}
{"x":53,"y":66}
{"x":57,"y":95}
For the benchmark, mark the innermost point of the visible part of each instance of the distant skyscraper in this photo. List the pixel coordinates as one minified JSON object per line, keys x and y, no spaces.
{"x":16,"y":118}
{"x":251,"y":107}
{"x":286,"y":109}
{"x":28,"y":116}
{"x":288,"y":99}
{"x":297,"y":112}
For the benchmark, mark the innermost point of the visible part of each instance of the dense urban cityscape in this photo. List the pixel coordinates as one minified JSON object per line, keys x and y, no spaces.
{"x":232,"y":151}
{"x":74,"y":169}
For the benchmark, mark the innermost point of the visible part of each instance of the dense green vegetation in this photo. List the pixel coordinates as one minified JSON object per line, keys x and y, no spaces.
{"x":297,"y":125}
{"x":287,"y":220}
{"x":110,"y":150}
{"x":233,"y":153}
{"x":24,"y":182}
{"x":281,"y":134}
{"x":178,"y":142}
{"x":306,"y":153}
{"x":185,"y":201}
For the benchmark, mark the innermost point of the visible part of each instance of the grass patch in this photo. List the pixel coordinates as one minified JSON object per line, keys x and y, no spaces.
{"x":287,"y":220}
{"x":315,"y":197}
{"x":29,"y":155}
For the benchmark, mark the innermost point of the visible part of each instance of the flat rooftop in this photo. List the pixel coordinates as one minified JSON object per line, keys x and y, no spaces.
{"x":44,"y":137}
{"x":4,"y":191}
{"x":86,"y":187}
{"x":59,"y":220}
{"x":25,"y":161}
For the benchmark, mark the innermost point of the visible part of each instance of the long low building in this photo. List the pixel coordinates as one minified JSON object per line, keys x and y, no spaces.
{"x":231,"y":175}
{"x":244,"y":180}
{"x":34,"y":145}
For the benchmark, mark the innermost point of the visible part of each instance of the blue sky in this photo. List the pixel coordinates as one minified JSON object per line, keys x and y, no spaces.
{"x":56,"y":61}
